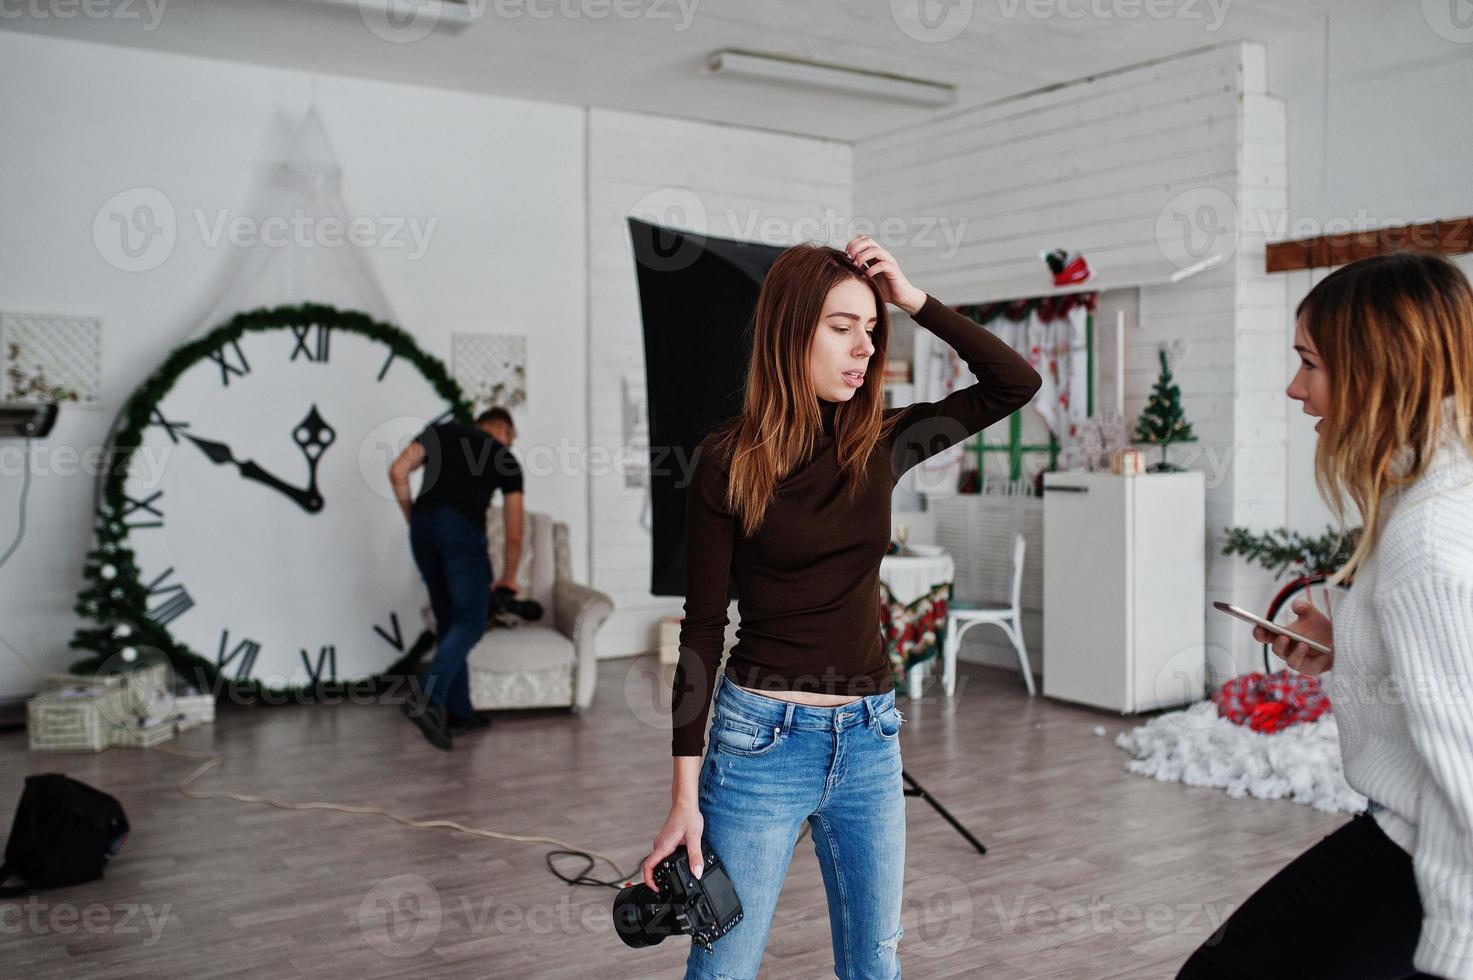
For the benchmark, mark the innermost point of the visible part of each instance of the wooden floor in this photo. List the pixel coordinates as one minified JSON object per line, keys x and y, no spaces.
{"x":1092,"y":872}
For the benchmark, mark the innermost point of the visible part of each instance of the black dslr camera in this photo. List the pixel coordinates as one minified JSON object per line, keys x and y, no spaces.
{"x":506,"y":608}
{"x":706,"y":907}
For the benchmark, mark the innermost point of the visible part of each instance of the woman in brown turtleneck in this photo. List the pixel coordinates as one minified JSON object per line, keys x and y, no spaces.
{"x":791,"y":500}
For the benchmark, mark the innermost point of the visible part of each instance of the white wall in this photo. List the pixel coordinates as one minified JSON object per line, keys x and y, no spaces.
{"x":1112,"y":167}
{"x":728,"y":182}
{"x":504,"y":178}
{"x":1380,"y":109}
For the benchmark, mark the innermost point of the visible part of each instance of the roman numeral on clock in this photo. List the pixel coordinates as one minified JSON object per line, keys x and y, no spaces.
{"x":131,"y":506}
{"x":243,"y":656}
{"x":176,"y":599}
{"x":327,"y":660}
{"x":397,"y":639}
{"x":240,"y":367}
{"x":317,"y":350}
{"x":172,"y":428}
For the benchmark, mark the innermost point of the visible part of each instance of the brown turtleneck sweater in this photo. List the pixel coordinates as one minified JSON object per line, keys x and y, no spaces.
{"x":808,"y":583}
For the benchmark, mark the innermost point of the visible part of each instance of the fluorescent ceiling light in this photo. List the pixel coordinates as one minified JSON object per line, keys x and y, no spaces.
{"x":835,"y":77}
{"x":404,"y":20}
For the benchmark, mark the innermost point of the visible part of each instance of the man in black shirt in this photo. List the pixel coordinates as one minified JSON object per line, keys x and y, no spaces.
{"x":464,"y":465}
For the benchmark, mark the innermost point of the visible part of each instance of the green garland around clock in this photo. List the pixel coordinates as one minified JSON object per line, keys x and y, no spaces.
{"x":114,"y":601}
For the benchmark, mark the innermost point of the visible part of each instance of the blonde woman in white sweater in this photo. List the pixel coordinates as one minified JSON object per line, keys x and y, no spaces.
{"x":1386,"y":349}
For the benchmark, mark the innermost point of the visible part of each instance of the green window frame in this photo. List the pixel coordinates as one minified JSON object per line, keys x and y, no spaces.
{"x":1015,"y":447}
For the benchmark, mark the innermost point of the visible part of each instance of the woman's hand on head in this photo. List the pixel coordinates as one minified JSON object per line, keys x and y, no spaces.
{"x":880,"y":266}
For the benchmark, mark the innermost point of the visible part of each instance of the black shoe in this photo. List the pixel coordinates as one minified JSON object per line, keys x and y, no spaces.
{"x":474,"y":722}
{"x":430,"y":718}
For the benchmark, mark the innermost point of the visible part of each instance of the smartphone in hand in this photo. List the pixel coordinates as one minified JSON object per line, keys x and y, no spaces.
{"x":1249,"y":617}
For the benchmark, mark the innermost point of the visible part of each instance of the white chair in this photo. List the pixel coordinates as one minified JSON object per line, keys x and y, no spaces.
{"x":962,"y":616}
{"x":552,"y":662}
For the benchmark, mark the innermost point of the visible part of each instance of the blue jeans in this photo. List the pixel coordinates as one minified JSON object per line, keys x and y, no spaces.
{"x":769,"y":766}
{"x":450,"y":551}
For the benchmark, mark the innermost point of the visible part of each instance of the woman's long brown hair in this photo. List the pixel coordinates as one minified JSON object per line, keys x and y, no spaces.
{"x":780,"y":421}
{"x":1395,"y":333}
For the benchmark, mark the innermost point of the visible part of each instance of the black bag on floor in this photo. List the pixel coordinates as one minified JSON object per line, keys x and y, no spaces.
{"x":64,"y":832}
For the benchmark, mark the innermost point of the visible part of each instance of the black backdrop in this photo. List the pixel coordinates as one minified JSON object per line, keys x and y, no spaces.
{"x":697,"y":295}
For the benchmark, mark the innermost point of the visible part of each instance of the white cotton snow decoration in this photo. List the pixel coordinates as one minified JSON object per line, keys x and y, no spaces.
{"x":1197,"y":747}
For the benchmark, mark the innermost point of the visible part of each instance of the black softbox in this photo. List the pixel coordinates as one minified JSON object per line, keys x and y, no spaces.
{"x":697,"y":295}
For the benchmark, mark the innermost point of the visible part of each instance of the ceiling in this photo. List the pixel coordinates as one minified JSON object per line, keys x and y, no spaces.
{"x":647,"y":55}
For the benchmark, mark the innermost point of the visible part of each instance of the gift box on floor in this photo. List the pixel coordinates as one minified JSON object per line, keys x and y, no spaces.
{"x":135,"y":708}
{"x":147,"y":732}
{"x":71,"y":719}
{"x":191,"y":708}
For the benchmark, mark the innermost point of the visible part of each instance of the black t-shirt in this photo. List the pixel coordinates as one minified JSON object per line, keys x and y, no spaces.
{"x":463,"y":467}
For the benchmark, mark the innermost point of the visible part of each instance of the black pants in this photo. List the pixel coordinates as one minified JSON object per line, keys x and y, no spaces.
{"x":1346,"y":908}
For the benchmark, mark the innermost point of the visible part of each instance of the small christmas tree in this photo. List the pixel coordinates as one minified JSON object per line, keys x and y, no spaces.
{"x":121,"y":635}
{"x":1162,"y":423}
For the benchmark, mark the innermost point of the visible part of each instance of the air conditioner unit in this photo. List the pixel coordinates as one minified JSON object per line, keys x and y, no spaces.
{"x":29,"y":419}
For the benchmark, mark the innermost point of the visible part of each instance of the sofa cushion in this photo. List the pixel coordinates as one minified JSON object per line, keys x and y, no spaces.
{"x":529,"y":647}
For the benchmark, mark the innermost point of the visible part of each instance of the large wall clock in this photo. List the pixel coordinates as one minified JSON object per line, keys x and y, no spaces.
{"x":257,"y":500}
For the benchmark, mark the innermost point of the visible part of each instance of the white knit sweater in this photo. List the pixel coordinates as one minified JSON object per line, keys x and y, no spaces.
{"x":1402,"y":691}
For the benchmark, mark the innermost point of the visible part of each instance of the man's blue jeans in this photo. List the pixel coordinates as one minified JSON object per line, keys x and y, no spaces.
{"x":450,"y":551}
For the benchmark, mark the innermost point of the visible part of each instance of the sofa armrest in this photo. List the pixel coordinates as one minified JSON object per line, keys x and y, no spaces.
{"x":578,"y":611}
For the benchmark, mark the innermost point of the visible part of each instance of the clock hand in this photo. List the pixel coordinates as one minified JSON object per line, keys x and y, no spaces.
{"x":313,"y":435}
{"x":309,"y":499}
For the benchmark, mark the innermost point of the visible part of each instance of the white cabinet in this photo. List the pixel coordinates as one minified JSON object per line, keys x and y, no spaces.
{"x":1124,"y":589}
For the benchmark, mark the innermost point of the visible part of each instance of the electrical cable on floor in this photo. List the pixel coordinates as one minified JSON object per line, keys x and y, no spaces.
{"x":25,"y":489}
{"x":211,"y":761}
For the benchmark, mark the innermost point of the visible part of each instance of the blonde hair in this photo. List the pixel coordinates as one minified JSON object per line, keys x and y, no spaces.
{"x":1395,"y":335}
{"x":778,"y":426}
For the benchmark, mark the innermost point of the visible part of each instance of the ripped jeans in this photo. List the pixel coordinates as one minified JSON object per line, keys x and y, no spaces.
{"x":769,"y":766}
